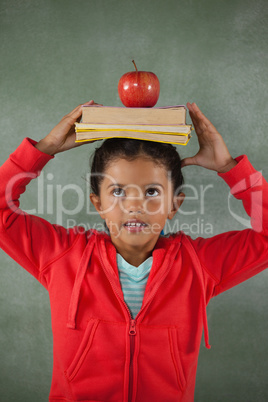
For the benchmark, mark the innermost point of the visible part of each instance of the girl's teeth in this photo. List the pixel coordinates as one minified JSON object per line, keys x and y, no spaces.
{"x":135,"y":224}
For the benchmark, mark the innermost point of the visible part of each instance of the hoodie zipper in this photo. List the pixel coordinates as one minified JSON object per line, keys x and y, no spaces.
{"x":132,"y":322}
{"x":132,"y":333}
{"x":132,"y":327}
{"x":132,"y":330}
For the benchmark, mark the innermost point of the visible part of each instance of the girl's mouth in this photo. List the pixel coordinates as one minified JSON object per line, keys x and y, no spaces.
{"x":134,"y":225}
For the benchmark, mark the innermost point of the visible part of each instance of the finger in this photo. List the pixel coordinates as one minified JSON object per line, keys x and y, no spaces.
{"x":199,"y":126}
{"x":200,"y":121}
{"x":75,"y":110}
{"x":78,"y":110}
{"x":76,"y":114}
{"x":91,"y":103}
{"x":199,"y":116}
{"x":193,"y":118}
{"x":97,"y":104}
{"x":189,"y":105}
{"x":188,"y":161}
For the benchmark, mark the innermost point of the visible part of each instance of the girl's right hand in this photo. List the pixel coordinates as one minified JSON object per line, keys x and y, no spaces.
{"x":213,"y":153}
{"x":62,"y":137}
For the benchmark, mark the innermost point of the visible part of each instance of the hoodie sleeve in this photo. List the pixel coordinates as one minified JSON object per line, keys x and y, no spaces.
{"x":29,"y":240}
{"x":233,"y":257}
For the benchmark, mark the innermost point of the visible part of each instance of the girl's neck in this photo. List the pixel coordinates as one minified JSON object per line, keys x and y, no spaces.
{"x":134,"y":252}
{"x":135,"y":258}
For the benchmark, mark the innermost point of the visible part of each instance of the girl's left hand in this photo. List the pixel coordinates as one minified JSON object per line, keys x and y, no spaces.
{"x":62,"y":137}
{"x":213,"y":153}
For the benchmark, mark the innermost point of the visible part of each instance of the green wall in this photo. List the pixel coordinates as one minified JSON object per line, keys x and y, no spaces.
{"x":56,"y":54}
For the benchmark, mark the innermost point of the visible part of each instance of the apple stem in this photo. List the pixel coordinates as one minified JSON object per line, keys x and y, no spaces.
{"x":134,"y":65}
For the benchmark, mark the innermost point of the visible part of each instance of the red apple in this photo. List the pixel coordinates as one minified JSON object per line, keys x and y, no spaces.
{"x":139,"y":88}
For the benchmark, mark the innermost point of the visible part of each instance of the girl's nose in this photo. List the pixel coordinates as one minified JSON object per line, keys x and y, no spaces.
{"x":134,"y":205}
{"x":134,"y":200}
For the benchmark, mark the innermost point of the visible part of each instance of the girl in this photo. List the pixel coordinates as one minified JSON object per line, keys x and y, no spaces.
{"x":128,"y":307}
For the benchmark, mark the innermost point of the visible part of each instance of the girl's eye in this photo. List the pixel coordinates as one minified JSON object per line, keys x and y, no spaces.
{"x":118,"y":192}
{"x":152,"y":192}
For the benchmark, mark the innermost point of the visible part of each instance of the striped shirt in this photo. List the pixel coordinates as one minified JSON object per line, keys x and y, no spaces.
{"x":133,"y":282}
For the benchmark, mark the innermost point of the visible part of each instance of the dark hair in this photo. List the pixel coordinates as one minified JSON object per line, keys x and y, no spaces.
{"x":114,"y":148}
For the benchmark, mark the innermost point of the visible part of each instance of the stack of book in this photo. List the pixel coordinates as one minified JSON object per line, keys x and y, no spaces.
{"x":161,"y":124}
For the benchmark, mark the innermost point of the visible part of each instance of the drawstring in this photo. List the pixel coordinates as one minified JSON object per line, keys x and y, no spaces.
{"x":205,"y":323}
{"x":203,"y":299}
{"x":80,"y":274}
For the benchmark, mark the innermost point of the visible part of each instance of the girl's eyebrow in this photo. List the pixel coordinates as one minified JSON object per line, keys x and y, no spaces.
{"x":124,"y":185}
{"x":154,"y":185}
{"x":116,"y":185}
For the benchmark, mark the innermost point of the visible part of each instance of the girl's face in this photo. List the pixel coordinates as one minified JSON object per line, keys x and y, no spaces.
{"x":136,"y":198}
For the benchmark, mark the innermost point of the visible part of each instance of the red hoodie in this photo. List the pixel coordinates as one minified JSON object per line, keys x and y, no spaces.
{"x":99,"y":352}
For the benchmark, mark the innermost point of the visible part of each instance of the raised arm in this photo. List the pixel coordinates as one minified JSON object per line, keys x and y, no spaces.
{"x":232,"y":257}
{"x":28,"y":239}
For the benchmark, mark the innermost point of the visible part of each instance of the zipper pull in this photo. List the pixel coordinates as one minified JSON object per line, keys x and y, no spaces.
{"x":132,"y":329}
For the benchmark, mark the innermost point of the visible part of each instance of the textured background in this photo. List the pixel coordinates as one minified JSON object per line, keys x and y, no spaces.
{"x":56,"y":54}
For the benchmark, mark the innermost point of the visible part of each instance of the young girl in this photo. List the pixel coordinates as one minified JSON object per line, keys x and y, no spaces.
{"x":128,"y":308}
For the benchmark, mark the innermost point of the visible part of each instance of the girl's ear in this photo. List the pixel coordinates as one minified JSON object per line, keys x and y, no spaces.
{"x":95,"y":199}
{"x":177,"y":201}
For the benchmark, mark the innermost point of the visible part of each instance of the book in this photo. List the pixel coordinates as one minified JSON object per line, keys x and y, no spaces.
{"x":167,"y":115}
{"x":179,"y":129}
{"x":166,"y":124}
{"x":86,"y":134}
